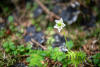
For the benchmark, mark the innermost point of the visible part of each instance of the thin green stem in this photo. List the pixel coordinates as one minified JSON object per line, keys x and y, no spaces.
{"x":65,"y":37}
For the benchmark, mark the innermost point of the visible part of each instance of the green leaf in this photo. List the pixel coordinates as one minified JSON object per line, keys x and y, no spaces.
{"x":5,"y":45}
{"x":15,"y":52}
{"x":36,"y":60}
{"x":2,"y":32}
{"x":10,"y":19}
{"x":28,"y":47}
{"x":13,"y":47}
{"x":75,"y":57}
{"x":69,"y":44}
{"x":57,"y":55}
{"x":7,"y":50}
{"x":96,"y":59}
{"x":28,"y":59}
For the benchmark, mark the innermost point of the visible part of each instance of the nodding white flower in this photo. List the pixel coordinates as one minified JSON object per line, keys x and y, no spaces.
{"x":59,"y":24}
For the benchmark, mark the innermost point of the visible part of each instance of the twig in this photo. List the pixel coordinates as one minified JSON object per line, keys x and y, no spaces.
{"x":23,"y":15}
{"x":18,"y":19}
{"x":51,"y":14}
{"x":34,"y":41}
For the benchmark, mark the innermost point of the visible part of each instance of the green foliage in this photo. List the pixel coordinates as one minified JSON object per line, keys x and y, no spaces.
{"x":35,"y":60}
{"x":96,"y":59}
{"x":12,"y":27}
{"x":37,"y":56}
{"x":49,"y":31}
{"x":2,"y":32}
{"x":12,"y":49}
{"x":69,"y":44}
{"x":56,"y":55}
{"x":9,"y":47}
{"x":10,"y":18}
{"x":50,"y":40}
{"x":76,"y":58}
{"x":96,"y":32}
{"x":6,"y":60}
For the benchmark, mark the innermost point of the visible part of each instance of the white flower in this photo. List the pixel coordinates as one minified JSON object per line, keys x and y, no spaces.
{"x":59,"y":24}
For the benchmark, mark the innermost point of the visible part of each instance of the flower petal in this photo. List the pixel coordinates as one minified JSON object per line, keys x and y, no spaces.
{"x":55,"y":26}
{"x":63,"y":25}
{"x":61,"y":20}
{"x":56,"y":21}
